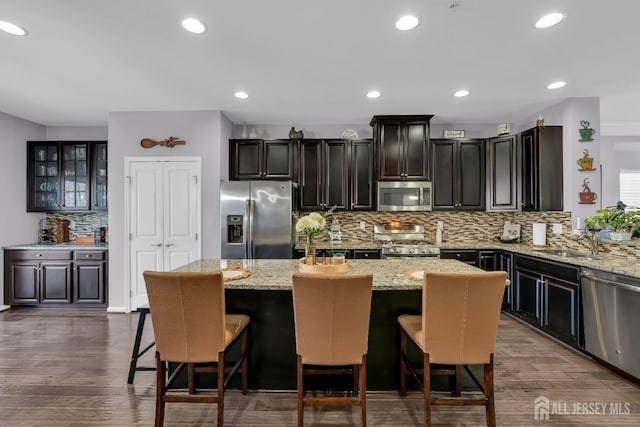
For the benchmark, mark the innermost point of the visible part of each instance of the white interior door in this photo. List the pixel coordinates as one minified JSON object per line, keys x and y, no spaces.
{"x":164,"y":219}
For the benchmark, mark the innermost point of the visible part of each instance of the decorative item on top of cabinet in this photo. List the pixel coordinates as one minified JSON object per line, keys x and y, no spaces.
{"x":243,"y":133}
{"x":402,"y":144}
{"x":587,"y":197}
{"x":170,"y":142}
{"x":253,"y":134}
{"x":541,"y":169}
{"x":586,"y":133}
{"x":585,"y":162}
{"x":453,"y":133}
{"x":504,"y":129}
{"x":540,"y":121}
{"x":295,"y":134}
{"x":501,"y":173}
{"x":458,"y":174}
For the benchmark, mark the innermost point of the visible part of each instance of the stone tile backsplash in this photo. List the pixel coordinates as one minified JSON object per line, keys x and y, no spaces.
{"x":473,"y":226}
{"x":83,"y":224}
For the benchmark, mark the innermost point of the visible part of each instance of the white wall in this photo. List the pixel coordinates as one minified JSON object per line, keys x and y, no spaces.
{"x":618,"y":152}
{"x":77,"y":133}
{"x":205,"y":133}
{"x":17,"y":225}
{"x":568,"y":114}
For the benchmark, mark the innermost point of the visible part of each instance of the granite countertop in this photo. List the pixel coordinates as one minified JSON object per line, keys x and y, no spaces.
{"x":604,"y":262}
{"x":59,"y":246}
{"x":275,"y":274}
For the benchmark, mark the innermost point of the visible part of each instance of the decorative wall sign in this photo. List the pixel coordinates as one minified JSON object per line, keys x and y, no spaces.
{"x":586,"y":133}
{"x":585,"y":162}
{"x":453,"y":134}
{"x":171,"y":142}
{"x":587,"y":197}
{"x":504,"y":129}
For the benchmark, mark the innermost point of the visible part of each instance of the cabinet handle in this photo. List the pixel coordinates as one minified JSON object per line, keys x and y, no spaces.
{"x":157,"y":244}
{"x":168,"y":244}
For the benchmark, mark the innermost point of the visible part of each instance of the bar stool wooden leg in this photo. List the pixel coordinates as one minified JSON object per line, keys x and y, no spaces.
{"x":403,"y":368}
{"x":363,"y":391}
{"x":488,"y":393}
{"x":427,"y":390}
{"x":300,"y":393}
{"x":244,"y":350}
{"x":191,"y":378}
{"x":161,"y":390}
{"x":220,"y":388}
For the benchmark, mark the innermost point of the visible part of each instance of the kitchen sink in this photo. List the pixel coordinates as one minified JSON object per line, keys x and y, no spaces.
{"x":567,"y":254}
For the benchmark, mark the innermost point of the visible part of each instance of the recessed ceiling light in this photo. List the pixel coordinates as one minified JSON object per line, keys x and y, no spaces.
{"x":550,"y":20}
{"x":241,"y":94}
{"x":461,"y":93}
{"x":193,"y":26}
{"x":407,"y":22}
{"x":556,"y":85}
{"x":373,"y":94}
{"x":10,"y":28}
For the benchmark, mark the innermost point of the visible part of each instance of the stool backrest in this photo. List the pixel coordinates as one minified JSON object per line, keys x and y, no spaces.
{"x":460,"y":313}
{"x":332,"y":317}
{"x":188,"y":314}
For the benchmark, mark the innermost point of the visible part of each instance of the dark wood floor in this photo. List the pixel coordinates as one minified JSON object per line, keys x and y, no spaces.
{"x":69,"y":368}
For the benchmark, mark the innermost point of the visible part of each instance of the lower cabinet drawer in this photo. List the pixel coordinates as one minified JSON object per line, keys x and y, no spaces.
{"x":39,"y":255}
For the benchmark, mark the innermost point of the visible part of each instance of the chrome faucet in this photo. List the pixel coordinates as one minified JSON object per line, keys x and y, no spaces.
{"x":591,"y":238}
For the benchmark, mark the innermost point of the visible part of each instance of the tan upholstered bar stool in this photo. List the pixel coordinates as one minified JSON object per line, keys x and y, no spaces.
{"x":191,"y":326}
{"x":332,"y":330}
{"x":458,"y":326}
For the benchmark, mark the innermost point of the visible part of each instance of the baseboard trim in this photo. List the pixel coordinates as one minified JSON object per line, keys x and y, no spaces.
{"x":4,"y":307}
{"x":116,"y":310}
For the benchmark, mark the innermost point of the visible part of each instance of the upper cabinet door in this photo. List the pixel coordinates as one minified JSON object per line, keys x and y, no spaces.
{"x":261,"y":159}
{"x":335,"y":179}
{"x":402,"y":147}
{"x":416,"y":151}
{"x":245,"y":159}
{"x":66,"y":176}
{"x":541,"y":169}
{"x":311,"y":195}
{"x":501,"y":173}
{"x":362,"y":175}
{"x":391,"y":151}
{"x":458,"y":174}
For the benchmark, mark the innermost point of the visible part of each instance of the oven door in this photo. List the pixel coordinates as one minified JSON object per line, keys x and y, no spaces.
{"x":404,"y":196}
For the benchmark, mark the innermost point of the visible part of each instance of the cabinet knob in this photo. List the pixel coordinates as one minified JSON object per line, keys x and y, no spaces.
{"x":87,"y":256}
{"x":39,"y":255}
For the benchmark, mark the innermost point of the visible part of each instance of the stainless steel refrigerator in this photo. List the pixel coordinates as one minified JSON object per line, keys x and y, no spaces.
{"x":256,"y":218}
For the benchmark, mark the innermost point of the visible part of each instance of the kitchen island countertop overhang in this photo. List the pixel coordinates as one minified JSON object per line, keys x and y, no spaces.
{"x":275,"y":274}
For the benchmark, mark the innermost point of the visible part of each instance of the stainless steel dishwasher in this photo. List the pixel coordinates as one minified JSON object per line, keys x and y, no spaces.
{"x":611,"y":310}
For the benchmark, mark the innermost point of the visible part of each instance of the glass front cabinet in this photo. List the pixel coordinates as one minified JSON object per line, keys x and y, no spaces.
{"x":66,"y":176}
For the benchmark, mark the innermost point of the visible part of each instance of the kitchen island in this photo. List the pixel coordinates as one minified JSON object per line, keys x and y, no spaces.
{"x":266,"y":296}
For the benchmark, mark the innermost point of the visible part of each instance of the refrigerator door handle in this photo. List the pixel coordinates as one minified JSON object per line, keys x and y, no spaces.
{"x":250,"y":217}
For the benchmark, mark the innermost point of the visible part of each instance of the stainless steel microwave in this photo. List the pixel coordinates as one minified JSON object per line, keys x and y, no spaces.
{"x":404,"y":195}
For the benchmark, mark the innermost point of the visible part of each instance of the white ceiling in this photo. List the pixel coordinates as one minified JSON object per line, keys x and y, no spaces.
{"x":312,"y":62}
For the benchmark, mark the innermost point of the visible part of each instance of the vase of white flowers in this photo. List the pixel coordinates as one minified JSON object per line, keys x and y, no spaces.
{"x":311,"y":225}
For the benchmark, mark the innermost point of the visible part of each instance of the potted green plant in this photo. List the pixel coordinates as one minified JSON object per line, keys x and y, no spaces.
{"x":618,"y":224}
{"x":623,"y":225}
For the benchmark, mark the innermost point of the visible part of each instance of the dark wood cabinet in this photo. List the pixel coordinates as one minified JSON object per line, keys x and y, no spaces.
{"x":499,"y":261}
{"x":55,"y":277}
{"x":365,"y":253}
{"x":402,"y":144}
{"x":261,"y":159}
{"x":547,"y":295}
{"x":541,"y":169}
{"x":469,"y":256}
{"x":324,"y":174}
{"x":66,"y":176}
{"x":348,"y":253}
{"x":362,"y":173}
{"x":458,"y":168}
{"x":502,"y":194}
{"x":90,"y":277}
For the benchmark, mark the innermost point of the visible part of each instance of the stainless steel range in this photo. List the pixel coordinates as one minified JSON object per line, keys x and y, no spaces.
{"x":405,"y":240}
